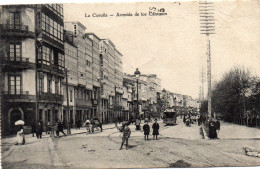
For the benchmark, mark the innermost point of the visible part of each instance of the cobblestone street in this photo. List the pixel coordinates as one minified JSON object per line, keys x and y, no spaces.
{"x":175,"y":147}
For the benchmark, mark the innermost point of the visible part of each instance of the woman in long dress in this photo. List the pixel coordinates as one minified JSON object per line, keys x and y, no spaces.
{"x":20,"y":136}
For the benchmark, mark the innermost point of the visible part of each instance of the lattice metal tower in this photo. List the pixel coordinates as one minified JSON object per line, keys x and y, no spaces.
{"x":207,"y":27}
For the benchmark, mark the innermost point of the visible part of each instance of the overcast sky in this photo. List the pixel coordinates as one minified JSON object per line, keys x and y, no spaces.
{"x":171,"y":46}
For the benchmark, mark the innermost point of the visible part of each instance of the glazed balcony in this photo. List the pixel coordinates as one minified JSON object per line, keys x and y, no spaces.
{"x":53,"y":69}
{"x":15,"y":30}
{"x":17,"y":63}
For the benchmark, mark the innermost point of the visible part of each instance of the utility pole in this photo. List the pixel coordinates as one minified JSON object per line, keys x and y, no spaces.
{"x":68,"y":108}
{"x":207,"y":28}
{"x":37,"y":45}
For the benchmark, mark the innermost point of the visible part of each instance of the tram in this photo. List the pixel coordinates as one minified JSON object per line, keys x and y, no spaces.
{"x":169,"y":117}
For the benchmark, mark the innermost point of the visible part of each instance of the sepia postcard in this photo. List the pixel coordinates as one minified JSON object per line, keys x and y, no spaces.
{"x":130,"y":84}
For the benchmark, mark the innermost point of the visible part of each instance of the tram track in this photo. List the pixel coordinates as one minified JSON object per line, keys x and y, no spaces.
{"x":206,"y":154}
{"x":202,"y":154}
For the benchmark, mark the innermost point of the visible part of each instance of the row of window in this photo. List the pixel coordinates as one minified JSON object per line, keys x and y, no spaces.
{"x":70,"y":51}
{"x":54,"y":29}
{"x":49,"y":85}
{"x":56,"y":8}
{"x":48,"y":56}
{"x":83,"y":94}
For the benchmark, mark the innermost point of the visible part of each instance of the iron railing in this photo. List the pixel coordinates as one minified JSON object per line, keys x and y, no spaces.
{"x":12,"y":27}
{"x":16,"y":92}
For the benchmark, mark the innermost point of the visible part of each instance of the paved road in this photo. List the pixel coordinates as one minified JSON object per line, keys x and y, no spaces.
{"x":178,"y":146}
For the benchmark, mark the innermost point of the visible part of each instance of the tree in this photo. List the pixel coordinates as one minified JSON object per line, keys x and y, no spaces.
{"x":231,"y":93}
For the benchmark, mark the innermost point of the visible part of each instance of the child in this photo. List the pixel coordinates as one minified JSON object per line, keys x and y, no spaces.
{"x":155,"y":129}
{"x":146,"y":129}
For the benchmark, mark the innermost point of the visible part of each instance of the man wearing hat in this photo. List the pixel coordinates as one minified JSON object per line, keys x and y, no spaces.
{"x":146,"y":129}
{"x":155,"y":129}
{"x":126,"y":134}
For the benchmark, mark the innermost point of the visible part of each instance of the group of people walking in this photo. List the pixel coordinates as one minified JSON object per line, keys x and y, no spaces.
{"x":37,"y":128}
{"x":126,"y":131}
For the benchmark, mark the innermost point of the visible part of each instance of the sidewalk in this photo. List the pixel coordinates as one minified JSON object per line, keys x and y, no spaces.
{"x":41,"y":150}
{"x":9,"y":141}
{"x":235,"y":131}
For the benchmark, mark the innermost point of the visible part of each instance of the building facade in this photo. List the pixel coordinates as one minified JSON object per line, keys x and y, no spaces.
{"x":32,"y":60}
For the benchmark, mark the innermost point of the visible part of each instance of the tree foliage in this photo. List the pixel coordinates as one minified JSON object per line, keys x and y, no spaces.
{"x":235,"y":95}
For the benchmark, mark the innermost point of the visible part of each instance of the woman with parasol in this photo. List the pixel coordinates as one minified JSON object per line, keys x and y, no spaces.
{"x":20,"y":134}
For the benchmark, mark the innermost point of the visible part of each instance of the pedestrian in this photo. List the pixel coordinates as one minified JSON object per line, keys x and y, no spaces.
{"x":137,"y":123}
{"x":146,"y":129}
{"x":60,"y":128}
{"x":184,"y":119}
{"x":99,"y":124}
{"x":34,"y":128}
{"x":56,"y":129}
{"x":126,"y":135}
{"x":88,"y":127}
{"x":212,"y":129}
{"x":218,"y":125}
{"x":217,"y":128}
{"x":92,"y":125}
{"x":78,"y":124}
{"x":20,"y":139}
{"x":155,"y":129}
{"x":39,"y":130}
{"x":48,"y":128}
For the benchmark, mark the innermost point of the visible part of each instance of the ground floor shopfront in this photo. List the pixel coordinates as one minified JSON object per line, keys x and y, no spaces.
{"x":78,"y":115}
{"x":12,"y":111}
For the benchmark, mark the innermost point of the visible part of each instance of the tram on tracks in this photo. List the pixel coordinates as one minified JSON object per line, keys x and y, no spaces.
{"x":170,"y":117}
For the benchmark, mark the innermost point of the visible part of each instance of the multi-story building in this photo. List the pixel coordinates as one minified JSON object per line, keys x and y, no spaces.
{"x":32,"y":61}
{"x":83,"y":93}
{"x":71,"y":64}
{"x":105,"y":88}
{"x":129,"y":88}
{"x":96,"y":101}
{"x":111,"y":78}
{"x":118,"y":105}
{"x":89,"y":70}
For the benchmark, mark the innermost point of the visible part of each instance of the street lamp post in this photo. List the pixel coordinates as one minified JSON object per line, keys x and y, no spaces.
{"x":68,"y":109}
{"x":137,"y":75}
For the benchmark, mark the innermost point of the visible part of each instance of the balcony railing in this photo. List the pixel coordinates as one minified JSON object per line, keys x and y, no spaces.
{"x":52,"y":68}
{"x":15,"y":30}
{"x":16,"y":63}
{"x":83,"y":103}
{"x":16,"y":93}
{"x":50,"y":97}
{"x":12,"y":27}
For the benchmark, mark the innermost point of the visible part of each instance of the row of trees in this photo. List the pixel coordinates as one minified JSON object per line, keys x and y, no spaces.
{"x":236,"y":97}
